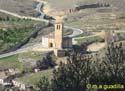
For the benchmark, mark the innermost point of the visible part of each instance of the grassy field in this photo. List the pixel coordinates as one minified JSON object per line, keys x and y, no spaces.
{"x":103,"y":18}
{"x":76,"y":20}
{"x":89,"y":40}
{"x":115,"y":3}
{"x":13,"y":61}
{"x":21,"y":7}
{"x":10,"y":62}
{"x":96,"y":20}
{"x":7,"y":21}
{"x":33,"y":55}
{"x":14,"y":30}
{"x":35,"y":77}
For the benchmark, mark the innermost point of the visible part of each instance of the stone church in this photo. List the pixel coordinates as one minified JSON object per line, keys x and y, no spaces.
{"x":56,"y":39}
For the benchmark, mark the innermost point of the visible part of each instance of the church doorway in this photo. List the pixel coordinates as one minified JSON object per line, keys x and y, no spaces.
{"x":50,"y":44}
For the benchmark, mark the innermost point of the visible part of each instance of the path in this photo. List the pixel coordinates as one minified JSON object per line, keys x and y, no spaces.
{"x":75,"y":33}
{"x":38,"y":9}
{"x":119,"y":31}
{"x":23,"y":17}
{"x":22,"y":50}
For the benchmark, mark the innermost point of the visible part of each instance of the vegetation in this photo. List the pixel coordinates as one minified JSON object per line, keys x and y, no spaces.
{"x":32,"y":55}
{"x":9,"y":62}
{"x":89,"y":40}
{"x":14,"y":30}
{"x":15,"y":61}
{"x":46,"y":62}
{"x":111,"y":70}
{"x":78,"y":72}
{"x":98,"y":18}
{"x":11,"y":37}
{"x":21,"y":7}
{"x":8,"y":21}
{"x":34,"y":78}
{"x":2,"y":89}
{"x":43,"y":84}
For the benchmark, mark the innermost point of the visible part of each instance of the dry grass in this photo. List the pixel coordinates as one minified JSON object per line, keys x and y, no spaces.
{"x":22,"y":7}
{"x":92,"y":19}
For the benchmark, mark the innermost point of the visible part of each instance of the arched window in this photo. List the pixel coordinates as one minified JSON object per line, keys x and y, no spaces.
{"x":59,"y":27}
{"x":50,"y":44}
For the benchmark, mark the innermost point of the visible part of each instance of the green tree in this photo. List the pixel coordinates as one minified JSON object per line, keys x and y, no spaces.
{"x":72,"y":76}
{"x":78,"y":72}
{"x":110,"y":70}
{"x":115,"y":63}
{"x":43,"y":84}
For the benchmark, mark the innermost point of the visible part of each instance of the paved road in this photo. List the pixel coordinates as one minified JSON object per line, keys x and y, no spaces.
{"x":76,"y":31}
{"x":38,"y":9}
{"x":23,"y":17}
{"x":119,"y":31}
{"x":36,"y":46}
{"x":22,"y":50}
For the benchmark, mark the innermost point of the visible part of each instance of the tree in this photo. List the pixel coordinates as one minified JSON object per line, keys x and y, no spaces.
{"x":42,"y":64}
{"x":115,"y":60}
{"x":72,"y":76}
{"x":111,"y":69}
{"x":7,"y":18}
{"x":78,"y":72}
{"x":46,"y":62}
{"x":43,"y":84}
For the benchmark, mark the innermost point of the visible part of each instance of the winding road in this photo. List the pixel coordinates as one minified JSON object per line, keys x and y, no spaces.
{"x":76,"y":31}
{"x":38,"y":9}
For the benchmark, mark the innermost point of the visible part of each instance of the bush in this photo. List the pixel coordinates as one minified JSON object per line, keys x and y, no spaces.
{"x":45,"y":63}
{"x":78,"y":72}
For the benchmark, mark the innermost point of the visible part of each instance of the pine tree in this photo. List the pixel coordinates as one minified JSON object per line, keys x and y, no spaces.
{"x":72,"y":76}
{"x":115,"y":63}
{"x":110,"y":69}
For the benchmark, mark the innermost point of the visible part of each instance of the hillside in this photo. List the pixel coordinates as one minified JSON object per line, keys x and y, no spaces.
{"x":14,"y":30}
{"x":21,"y":7}
{"x":119,"y":4}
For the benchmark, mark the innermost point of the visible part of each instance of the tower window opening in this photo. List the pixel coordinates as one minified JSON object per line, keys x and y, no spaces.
{"x":59,"y":27}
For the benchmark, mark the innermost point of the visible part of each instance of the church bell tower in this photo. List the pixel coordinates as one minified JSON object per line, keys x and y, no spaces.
{"x":58,"y":35}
